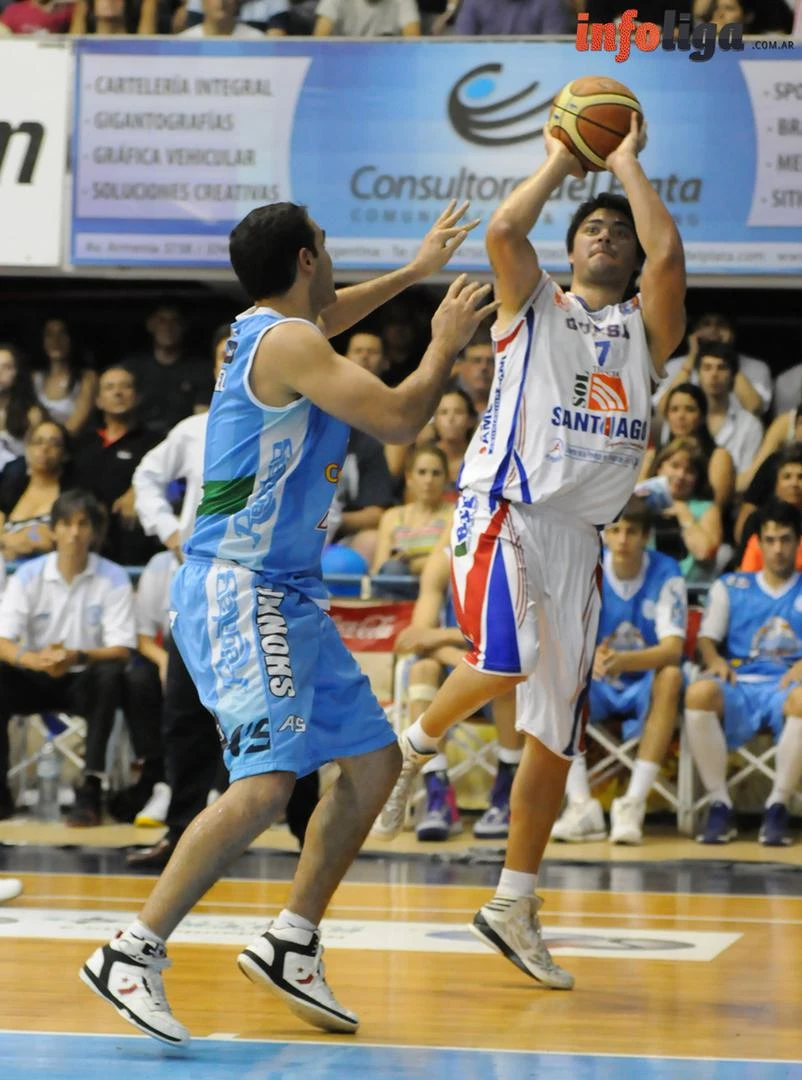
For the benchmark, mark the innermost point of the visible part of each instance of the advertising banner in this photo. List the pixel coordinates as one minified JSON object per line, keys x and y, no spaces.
{"x":35,"y":81}
{"x":177,"y":140}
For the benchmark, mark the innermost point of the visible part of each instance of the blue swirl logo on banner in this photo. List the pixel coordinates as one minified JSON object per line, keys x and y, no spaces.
{"x":176,"y":140}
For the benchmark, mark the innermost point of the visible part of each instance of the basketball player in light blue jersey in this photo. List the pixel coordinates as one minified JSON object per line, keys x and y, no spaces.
{"x":250,"y":604}
{"x":750,"y":643}
{"x":636,"y":674}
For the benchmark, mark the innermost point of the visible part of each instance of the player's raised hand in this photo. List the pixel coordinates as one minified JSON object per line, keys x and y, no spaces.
{"x":443,"y":239}
{"x":461,"y":311}
{"x":630,"y":146}
{"x":558,"y":151}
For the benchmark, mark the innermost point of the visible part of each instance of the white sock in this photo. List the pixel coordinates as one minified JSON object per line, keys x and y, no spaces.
{"x":577,"y":786}
{"x":788,"y":762}
{"x":709,"y":749}
{"x":138,"y":935}
{"x":288,"y":920}
{"x":423,"y":743}
{"x":439,"y":763}
{"x":643,"y":777}
{"x":513,"y":884}
{"x":510,"y":757}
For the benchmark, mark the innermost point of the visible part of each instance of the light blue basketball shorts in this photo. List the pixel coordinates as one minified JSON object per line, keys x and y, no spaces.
{"x":270,"y":666}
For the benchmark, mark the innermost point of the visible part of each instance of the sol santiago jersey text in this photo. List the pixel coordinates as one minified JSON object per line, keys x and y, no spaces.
{"x":269,"y":473}
{"x":568,"y":415}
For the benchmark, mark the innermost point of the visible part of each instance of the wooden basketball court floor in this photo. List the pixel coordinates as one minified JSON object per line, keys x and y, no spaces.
{"x":685,"y":967}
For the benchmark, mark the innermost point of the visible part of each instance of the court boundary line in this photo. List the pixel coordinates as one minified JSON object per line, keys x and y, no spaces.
{"x":334,"y":1041}
{"x":794,"y":868}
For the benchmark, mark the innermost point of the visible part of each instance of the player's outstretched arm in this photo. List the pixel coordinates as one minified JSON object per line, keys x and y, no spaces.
{"x":295,"y":359}
{"x":439,"y":245}
{"x":511,"y":254}
{"x":663,"y":278}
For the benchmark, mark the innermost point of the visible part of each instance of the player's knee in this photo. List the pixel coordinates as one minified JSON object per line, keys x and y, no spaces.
{"x":704,"y":695}
{"x":425,"y":672}
{"x":263,"y":797}
{"x":793,"y":703}
{"x":668,"y":682}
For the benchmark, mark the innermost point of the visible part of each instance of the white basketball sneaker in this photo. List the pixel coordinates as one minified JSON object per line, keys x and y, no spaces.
{"x":10,"y":888}
{"x":626,"y":821}
{"x":289,"y":963}
{"x":512,"y":927}
{"x":129,"y":976}
{"x":390,"y":821}
{"x":580,"y":823}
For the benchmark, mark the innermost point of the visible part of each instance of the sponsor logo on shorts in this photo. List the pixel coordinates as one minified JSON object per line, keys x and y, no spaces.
{"x":273,"y":641}
{"x":234,"y":649}
{"x":466,"y":511}
{"x":293,"y":723}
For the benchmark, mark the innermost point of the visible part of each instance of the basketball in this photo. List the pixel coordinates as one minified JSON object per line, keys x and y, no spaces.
{"x":591,"y":116}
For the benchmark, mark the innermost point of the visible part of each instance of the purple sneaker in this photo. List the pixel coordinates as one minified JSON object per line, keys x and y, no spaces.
{"x":441,"y":818}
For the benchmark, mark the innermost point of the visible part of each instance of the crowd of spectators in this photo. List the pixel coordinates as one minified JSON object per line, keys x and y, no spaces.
{"x":124,"y":438}
{"x":368,"y":18}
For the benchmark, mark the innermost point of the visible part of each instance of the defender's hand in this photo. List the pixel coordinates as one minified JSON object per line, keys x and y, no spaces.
{"x":460,"y":313}
{"x":443,"y":239}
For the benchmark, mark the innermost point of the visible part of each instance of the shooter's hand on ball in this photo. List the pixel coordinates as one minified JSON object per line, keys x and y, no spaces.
{"x":558,"y":151}
{"x":629,"y":147}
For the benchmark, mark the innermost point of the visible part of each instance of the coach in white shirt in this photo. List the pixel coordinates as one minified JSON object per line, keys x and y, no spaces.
{"x":66,"y":630}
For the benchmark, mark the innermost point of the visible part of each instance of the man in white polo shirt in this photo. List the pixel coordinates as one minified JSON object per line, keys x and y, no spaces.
{"x":66,"y":630}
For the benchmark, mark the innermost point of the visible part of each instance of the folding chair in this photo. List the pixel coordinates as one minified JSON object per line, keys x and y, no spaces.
{"x":68,"y":733}
{"x":618,"y":753}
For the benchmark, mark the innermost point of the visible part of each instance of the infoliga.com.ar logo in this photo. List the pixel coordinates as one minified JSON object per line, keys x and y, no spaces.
{"x":676,"y":34}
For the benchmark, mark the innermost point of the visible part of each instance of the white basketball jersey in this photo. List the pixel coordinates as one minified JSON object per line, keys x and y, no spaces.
{"x":568,"y":416}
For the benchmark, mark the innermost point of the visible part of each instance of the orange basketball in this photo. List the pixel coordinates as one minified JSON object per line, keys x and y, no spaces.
{"x":591,"y":116}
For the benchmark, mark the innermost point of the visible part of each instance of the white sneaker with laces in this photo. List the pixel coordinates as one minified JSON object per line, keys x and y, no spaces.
{"x":130,"y":977}
{"x":390,"y":821}
{"x":10,"y":888}
{"x":154,"y":812}
{"x":626,"y":821}
{"x":580,"y":822}
{"x":289,"y":963}
{"x":512,"y":927}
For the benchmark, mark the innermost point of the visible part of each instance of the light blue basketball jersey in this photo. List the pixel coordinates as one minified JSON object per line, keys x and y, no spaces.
{"x":764,"y":635}
{"x":269,"y":473}
{"x":631,"y":623}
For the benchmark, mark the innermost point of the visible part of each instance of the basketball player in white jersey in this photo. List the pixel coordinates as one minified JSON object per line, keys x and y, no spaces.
{"x":555,"y":457}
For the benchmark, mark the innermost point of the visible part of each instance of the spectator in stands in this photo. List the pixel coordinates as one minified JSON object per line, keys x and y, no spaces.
{"x":767,"y":17}
{"x":38,"y":17}
{"x":105,"y":459}
{"x":753,"y":386}
{"x":485,"y":17}
{"x":788,"y":390}
{"x":475,"y":368}
{"x":221,"y":18}
{"x":686,"y":417}
{"x":636,"y":674}
{"x":64,"y":384}
{"x":750,"y":645}
{"x":439,"y":644}
{"x":731,"y":426}
{"x":690,"y":529}
{"x":192,"y":753}
{"x":454,"y":424}
{"x":788,"y":488}
{"x":172,"y":384}
{"x":408,"y":533}
{"x":66,"y":631}
{"x":404,"y":327}
{"x":19,"y":409}
{"x":367,"y":18}
{"x":114,"y":17}
{"x":783,"y":431}
{"x":30,"y":486}
{"x":275,"y":18}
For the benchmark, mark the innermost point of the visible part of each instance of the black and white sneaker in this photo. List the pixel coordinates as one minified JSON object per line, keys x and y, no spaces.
{"x":130,"y":978}
{"x":289,"y":963}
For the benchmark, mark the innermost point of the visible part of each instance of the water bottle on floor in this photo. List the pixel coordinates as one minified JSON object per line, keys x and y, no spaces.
{"x":48,"y":775}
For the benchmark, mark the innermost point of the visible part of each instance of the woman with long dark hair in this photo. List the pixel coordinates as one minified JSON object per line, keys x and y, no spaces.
{"x":19,"y":409}
{"x":686,"y":417}
{"x":63,"y":381}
